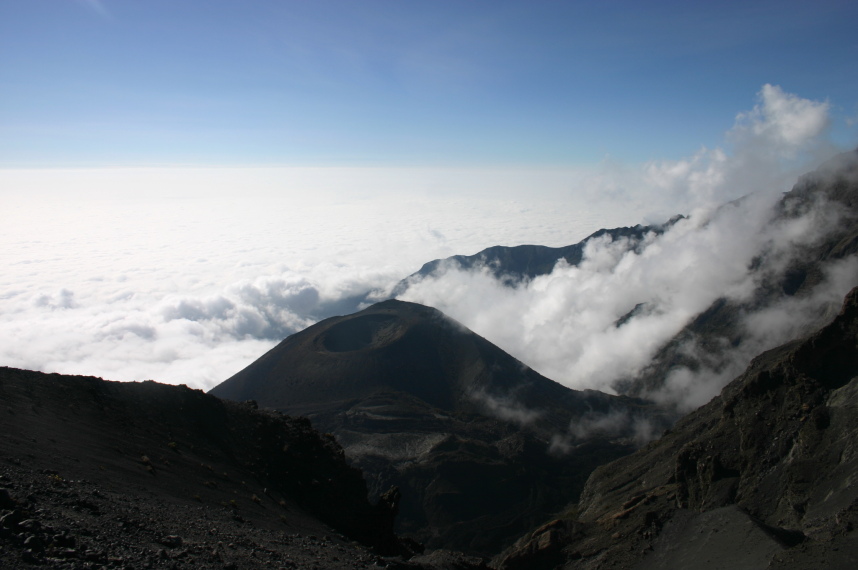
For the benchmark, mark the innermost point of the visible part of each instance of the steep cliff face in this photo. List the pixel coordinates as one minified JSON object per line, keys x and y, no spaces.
{"x":761,"y":477}
{"x":478,"y":443}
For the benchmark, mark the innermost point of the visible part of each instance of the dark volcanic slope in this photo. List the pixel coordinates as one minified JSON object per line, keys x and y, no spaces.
{"x":462,"y":428}
{"x":401,"y":347}
{"x":761,"y":477}
{"x":134,"y":475}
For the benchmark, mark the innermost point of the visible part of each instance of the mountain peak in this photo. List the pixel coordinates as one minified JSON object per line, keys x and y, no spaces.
{"x":420,"y":402}
{"x":393,"y":346}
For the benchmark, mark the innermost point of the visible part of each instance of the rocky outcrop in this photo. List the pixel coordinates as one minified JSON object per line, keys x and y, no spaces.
{"x":94,"y":471}
{"x":761,"y":477}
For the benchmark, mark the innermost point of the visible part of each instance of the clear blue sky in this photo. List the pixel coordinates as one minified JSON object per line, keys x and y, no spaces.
{"x":404,"y":82}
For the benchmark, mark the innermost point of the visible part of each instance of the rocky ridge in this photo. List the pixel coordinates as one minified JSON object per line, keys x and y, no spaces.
{"x":515,"y":263}
{"x":761,"y":477}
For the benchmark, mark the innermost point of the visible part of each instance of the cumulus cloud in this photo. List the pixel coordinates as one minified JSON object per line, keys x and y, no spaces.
{"x":267,"y":308}
{"x":127,"y":339}
{"x":62,"y":299}
{"x":564,"y":324}
{"x":782,"y":123}
{"x":198,"y":340}
{"x":761,"y":330}
{"x":188,"y":275}
{"x":766,"y":149}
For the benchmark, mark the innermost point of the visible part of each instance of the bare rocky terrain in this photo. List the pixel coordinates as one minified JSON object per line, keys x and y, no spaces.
{"x":144,"y":475}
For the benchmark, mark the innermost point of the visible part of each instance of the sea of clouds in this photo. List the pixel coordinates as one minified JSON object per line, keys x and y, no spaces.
{"x":186,"y":275}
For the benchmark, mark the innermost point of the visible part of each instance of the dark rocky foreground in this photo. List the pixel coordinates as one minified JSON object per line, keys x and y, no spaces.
{"x":143,"y":475}
{"x":463,"y":429}
{"x":761,"y":477}
{"x":134,"y":475}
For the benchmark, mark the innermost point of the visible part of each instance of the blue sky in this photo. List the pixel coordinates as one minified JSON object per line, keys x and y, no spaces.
{"x":392,"y":83}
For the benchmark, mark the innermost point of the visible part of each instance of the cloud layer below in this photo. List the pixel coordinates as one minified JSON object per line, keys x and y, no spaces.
{"x":187,"y":275}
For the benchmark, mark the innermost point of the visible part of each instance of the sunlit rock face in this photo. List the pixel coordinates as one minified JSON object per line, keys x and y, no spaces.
{"x":481,"y":446}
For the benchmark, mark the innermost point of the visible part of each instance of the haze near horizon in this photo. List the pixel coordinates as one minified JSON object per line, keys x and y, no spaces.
{"x":185,"y":184}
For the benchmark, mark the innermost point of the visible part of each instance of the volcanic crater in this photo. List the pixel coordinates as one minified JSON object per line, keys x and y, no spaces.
{"x":364,"y":332}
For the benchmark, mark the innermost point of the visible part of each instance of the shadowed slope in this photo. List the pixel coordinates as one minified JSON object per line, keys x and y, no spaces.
{"x":98,"y":473}
{"x":479,"y":444}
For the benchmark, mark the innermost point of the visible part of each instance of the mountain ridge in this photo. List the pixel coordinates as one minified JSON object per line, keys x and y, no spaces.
{"x":522,"y":262}
{"x":483,"y":449}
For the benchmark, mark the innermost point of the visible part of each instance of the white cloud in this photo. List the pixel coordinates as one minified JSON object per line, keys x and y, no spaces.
{"x":505,"y":408}
{"x":768,"y":148}
{"x":763,"y":329}
{"x":611,"y":424}
{"x":783,"y":123}
{"x":62,"y":299}
{"x":564,"y":324}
